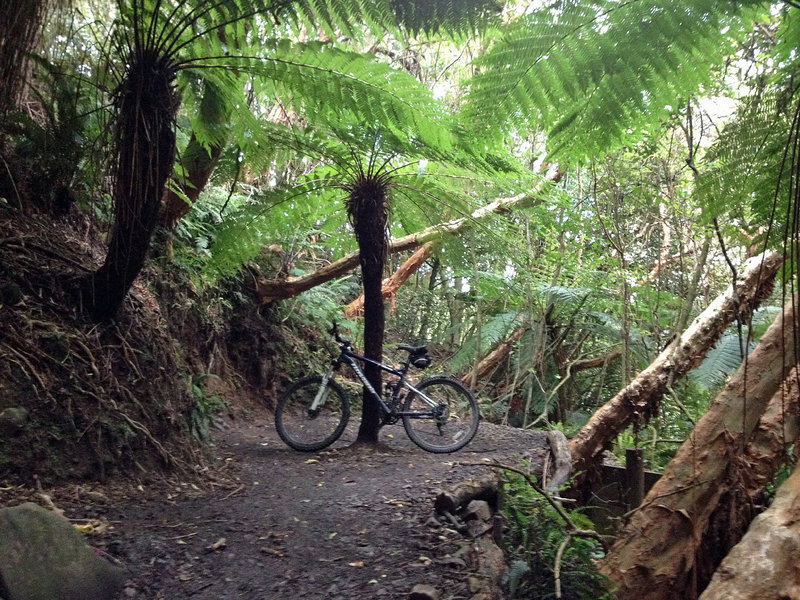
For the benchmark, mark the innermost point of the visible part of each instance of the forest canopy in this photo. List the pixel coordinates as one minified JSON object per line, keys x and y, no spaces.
{"x":588,"y":210}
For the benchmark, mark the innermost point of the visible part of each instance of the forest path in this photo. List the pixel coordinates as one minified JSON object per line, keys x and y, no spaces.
{"x":339,"y":524}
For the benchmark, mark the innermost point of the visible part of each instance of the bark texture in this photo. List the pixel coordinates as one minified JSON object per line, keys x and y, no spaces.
{"x":368,"y":209}
{"x":20,"y":27}
{"x":755,"y":468}
{"x":146,"y":141}
{"x":764,"y":564}
{"x":655,"y":555}
{"x":640,"y":399}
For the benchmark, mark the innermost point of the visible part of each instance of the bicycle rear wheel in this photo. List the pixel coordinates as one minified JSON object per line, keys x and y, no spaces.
{"x":448,"y":426}
{"x":310,"y":430}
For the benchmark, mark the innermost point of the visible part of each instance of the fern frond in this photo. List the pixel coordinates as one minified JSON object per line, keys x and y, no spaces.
{"x":271,"y":218}
{"x":722,"y":360}
{"x":745,"y":160}
{"x":451,"y":17}
{"x":456,"y":16}
{"x":494,"y":331}
{"x":557,"y":293}
{"x":592,"y":74}
{"x":320,"y":80}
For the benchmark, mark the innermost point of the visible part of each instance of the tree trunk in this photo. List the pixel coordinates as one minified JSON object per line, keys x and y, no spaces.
{"x":423,"y":326}
{"x":764,"y":564}
{"x":146,"y":143}
{"x":270,"y":290}
{"x":20,"y":27}
{"x":392,"y":284}
{"x":640,"y":399}
{"x":475,"y":288}
{"x":655,"y":555}
{"x":757,"y":466}
{"x":368,"y":208}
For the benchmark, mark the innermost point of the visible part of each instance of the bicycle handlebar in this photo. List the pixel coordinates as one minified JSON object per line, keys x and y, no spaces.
{"x":334,"y":331}
{"x":412,"y":350}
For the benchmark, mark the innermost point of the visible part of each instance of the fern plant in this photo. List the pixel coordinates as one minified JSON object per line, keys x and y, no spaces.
{"x":155,"y":40}
{"x":536,"y":532}
{"x":597,"y":74}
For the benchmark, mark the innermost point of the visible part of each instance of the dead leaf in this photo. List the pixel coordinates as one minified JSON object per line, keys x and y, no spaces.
{"x":358,"y":563}
{"x":220,"y":544}
{"x":95,"y":526}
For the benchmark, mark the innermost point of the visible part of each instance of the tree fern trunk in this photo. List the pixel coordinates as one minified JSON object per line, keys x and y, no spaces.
{"x":146,"y":144}
{"x":367,"y":207}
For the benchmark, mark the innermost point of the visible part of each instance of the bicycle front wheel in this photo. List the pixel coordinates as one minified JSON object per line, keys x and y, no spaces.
{"x":304,"y":427}
{"x":443,"y":415}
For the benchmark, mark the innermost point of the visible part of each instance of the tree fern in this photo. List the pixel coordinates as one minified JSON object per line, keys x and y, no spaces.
{"x":429,"y":186}
{"x":745,"y":159}
{"x":595,"y":74}
{"x":452,"y":17}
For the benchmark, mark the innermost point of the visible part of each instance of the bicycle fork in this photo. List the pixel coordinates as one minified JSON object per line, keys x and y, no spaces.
{"x":322,"y":394}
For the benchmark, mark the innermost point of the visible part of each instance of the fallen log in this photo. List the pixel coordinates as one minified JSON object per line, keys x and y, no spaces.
{"x":391,"y":285}
{"x":753,"y":470}
{"x":640,"y":399}
{"x":655,"y":555}
{"x":495,"y":357}
{"x":764,"y":563}
{"x":559,"y":448}
{"x":270,"y":290}
{"x":459,"y":495}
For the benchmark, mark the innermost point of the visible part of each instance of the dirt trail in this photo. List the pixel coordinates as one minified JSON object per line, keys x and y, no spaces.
{"x":338,"y":524}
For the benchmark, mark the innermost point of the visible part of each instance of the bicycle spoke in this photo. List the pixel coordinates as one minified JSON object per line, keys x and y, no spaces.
{"x":307,"y":425}
{"x":448,"y":426}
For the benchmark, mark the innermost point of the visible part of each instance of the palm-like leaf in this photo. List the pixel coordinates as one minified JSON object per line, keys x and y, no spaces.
{"x":495,"y":330}
{"x":593,"y":74}
{"x":722,"y":360}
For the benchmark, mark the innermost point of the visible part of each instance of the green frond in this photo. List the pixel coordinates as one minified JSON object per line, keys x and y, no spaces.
{"x":323,"y":81}
{"x":722,"y":360}
{"x":552,"y":294}
{"x":495,"y":330}
{"x":745,"y":160}
{"x":269,"y":218}
{"x":456,"y":16}
{"x":593,"y":74}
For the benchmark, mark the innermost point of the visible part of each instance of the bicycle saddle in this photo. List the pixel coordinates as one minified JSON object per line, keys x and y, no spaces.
{"x":413,"y":349}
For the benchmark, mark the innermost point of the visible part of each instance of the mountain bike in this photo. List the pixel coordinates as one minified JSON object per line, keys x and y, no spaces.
{"x":439,"y":413}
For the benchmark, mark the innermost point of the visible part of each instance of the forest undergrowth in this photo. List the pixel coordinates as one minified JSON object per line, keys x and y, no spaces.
{"x":133,"y":396}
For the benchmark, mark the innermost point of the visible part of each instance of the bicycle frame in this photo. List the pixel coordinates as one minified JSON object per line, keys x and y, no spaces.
{"x":351,"y":359}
